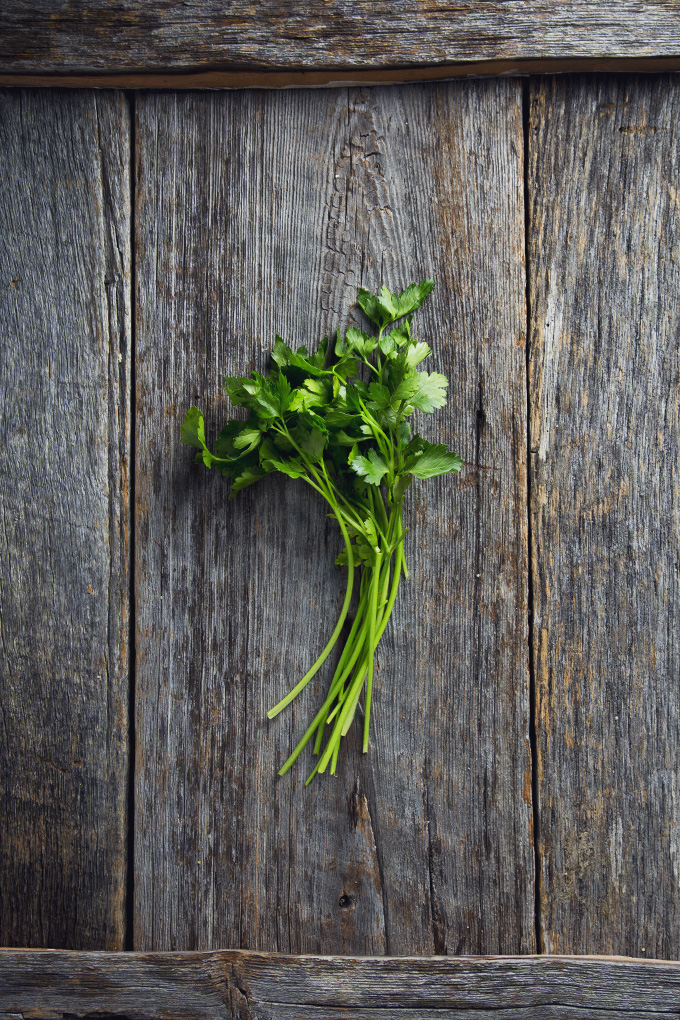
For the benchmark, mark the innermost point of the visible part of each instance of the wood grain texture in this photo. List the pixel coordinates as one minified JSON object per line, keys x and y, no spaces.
{"x":263,"y":212}
{"x":605,"y":440}
{"x":256,"y":986}
{"x":64,"y":578}
{"x":171,"y":35}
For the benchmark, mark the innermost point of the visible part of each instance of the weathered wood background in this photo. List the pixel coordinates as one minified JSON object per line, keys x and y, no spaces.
{"x":522,"y":791}
{"x":173,"y":37}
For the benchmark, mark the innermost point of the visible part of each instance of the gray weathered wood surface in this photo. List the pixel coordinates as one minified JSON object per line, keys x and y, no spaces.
{"x":259,"y":212}
{"x":257,"y":986}
{"x":605,"y":442}
{"x":64,"y":543}
{"x":169,"y":35}
{"x":263,"y":212}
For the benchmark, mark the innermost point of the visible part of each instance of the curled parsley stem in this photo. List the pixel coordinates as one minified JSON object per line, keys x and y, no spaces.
{"x":338,"y":420}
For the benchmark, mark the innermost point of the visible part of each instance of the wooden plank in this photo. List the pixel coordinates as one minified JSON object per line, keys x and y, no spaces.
{"x":339,"y":78}
{"x":255,"y":986}
{"x":605,"y":436}
{"x":263,"y":212}
{"x":96,"y":36}
{"x":64,"y":578}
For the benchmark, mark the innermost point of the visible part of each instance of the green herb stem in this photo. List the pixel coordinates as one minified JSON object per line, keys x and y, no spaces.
{"x":333,"y":638}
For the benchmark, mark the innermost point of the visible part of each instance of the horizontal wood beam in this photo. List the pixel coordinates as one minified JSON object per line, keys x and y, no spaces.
{"x":340,"y":78}
{"x":168,"y":43}
{"x":233,"y":983}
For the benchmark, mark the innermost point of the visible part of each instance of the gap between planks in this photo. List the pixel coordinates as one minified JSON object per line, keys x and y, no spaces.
{"x":333,"y":78}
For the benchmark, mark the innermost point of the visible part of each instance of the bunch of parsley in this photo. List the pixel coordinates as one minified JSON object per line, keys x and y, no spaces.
{"x":340,"y":422}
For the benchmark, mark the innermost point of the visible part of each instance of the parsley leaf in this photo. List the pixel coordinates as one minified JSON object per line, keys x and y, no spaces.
{"x":430,"y":392}
{"x":373,"y":468}
{"x":434,"y":460}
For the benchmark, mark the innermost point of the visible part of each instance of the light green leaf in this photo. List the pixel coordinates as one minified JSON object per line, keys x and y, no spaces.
{"x":408,"y":386}
{"x":193,"y":429}
{"x":319,"y":392}
{"x":292,"y":468}
{"x":375,"y":308}
{"x":401,"y":334}
{"x":430,"y":392}
{"x":280,"y":352}
{"x":412,"y":297}
{"x":385,"y":307}
{"x":417,"y":353}
{"x":371,"y":468}
{"x":388,"y":345}
{"x":360,"y":342}
{"x":435,"y":460}
{"x":247,"y":440}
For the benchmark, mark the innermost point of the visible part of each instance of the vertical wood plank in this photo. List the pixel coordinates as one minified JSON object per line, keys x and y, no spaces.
{"x":64,"y":579}
{"x":261,"y":213}
{"x":605,"y":436}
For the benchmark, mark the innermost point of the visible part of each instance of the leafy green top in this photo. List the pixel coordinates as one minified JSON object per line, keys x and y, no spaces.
{"x":314,"y":417}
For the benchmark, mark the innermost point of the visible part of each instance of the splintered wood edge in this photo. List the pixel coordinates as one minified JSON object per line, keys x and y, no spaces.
{"x":332,"y":78}
{"x":201,"y":984}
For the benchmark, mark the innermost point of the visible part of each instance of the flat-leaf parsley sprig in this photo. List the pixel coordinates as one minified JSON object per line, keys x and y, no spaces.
{"x":339,"y":421}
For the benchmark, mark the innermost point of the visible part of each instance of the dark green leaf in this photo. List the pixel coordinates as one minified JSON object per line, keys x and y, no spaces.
{"x":248,"y":476}
{"x":319,"y":359}
{"x":312,"y":444}
{"x":319,"y":390}
{"x":342,"y":438}
{"x":403,"y":432}
{"x":309,"y":420}
{"x":336,"y":418}
{"x":345,"y":368}
{"x":285,"y":358}
{"x":380,"y":395}
{"x":224,"y":447}
{"x":401,"y":485}
{"x":283,"y":391}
